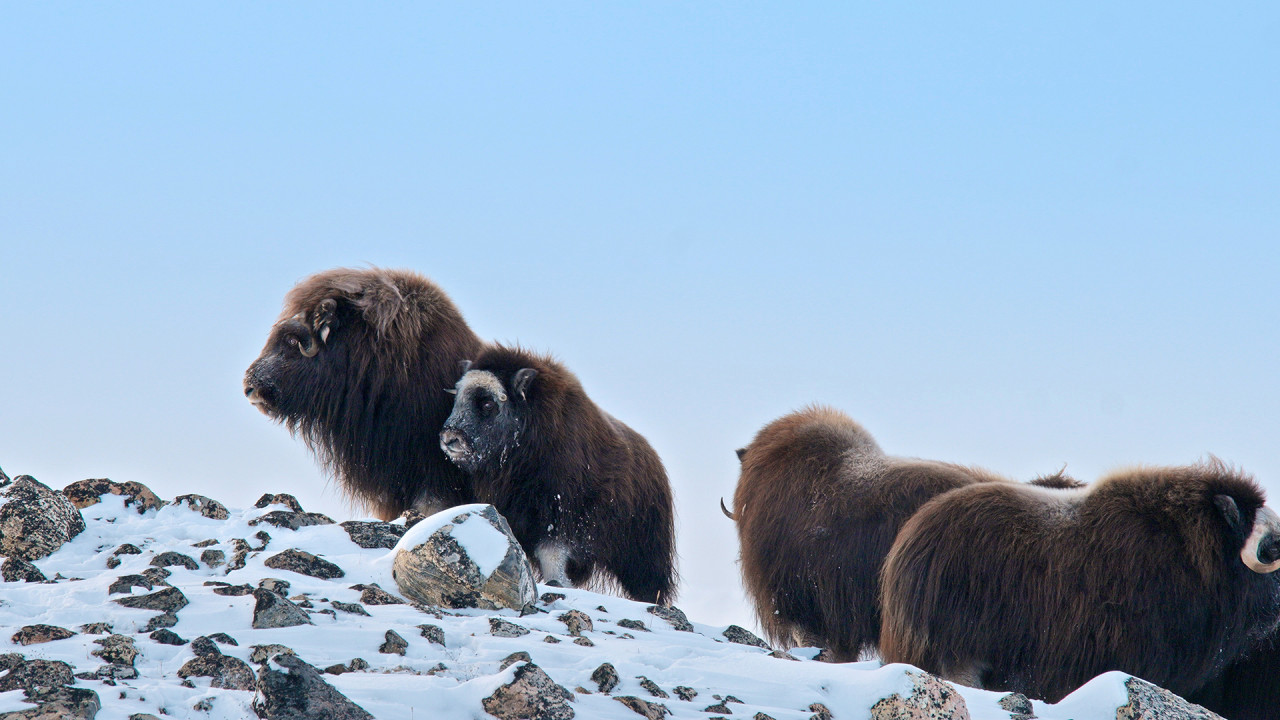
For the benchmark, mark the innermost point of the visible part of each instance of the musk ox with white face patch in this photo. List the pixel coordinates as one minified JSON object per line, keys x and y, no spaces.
{"x":583,"y":492}
{"x":355,"y":366}
{"x":1163,"y":573}
{"x":817,"y":507}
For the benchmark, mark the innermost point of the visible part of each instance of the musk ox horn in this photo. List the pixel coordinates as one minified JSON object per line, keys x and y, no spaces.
{"x":309,"y":347}
{"x":1261,"y":551}
{"x":726,"y":512}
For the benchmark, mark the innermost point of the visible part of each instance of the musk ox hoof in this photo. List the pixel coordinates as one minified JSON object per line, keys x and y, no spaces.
{"x":464,"y":557}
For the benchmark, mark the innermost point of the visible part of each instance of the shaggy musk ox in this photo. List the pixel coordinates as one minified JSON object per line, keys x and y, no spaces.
{"x":1163,"y":573}
{"x":1249,"y":688}
{"x":817,"y":507}
{"x":582,"y":491}
{"x":357,"y":366}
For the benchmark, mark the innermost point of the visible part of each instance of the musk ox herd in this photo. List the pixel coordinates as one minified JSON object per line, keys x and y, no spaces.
{"x":1167,"y":573}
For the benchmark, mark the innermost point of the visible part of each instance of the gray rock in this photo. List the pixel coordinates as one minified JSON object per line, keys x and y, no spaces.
{"x":36,"y":634}
{"x":285,"y":499}
{"x":742,"y":636}
{"x":213,"y":558}
{"x":207,"y":507}
{"x":116,"y":649}
{"x":19,"y":570}
{"x":223,"y":638}
{"x":371,"y":594}
{"x":439,"y":573}
{"x":274,"y":611}
{"x":304,"y":563}
{"x":432,"y":633}
{"x":160,"y":622}
{"x":930,"y":699}
{"x":513,"y":658}
{"x":127,"y":549}
{"x":1149,"y":702}
{"x":4,"y":479}
{"x":577,"y":621}
{"x":28,"y":675}
{"x":165,"y":636}
{"x":233,"y":590}
{"x":263,"y":653}
{"x":203,"y":646}
{"x":239,"y":553}
{"x":275,"y":585}
{"x":168,"y":600}
{"x":58,"y":703}
{"x":505,"y":628}
{"x":820,"y":712}
{"x":292,"y":520}
{"x":531,"y":695}
{"x":687,"y":693}
{"x":126,"y":584}
{"x":652,"y":687}
{"x":672,"y":615}
{"x":605,"y":677}
{"x":371,"y":535}
{"x":650,"y":710}
{"x":84,"y":493}
{"x":97,"y":628}
{"x":353,"y":608}
{"x":1017,"y":704}
{"x":394,"y":645}
{"x":35,"y":520}
{"x":227,"y":673}
{"x":157,"y":575}
{"x":170,"y":559}
{"x":293,"y":690}
{"x":633,"y":625}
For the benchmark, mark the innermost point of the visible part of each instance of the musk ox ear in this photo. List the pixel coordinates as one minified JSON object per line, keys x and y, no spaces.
{"x":463,"y":366}
{"x":741,"y":452}
{"x":1230,"y":511}
{"x":324,"y":318}
{"x":522,"y":380}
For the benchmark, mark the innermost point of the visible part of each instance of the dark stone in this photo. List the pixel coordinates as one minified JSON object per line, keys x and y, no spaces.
{"x":584,"y":642}
{"x":531,"y":695}
{"x":371,"y":594}
{"x":207,"y":507}
{"x":165,"y":636}
{"x":304,"y":563}
{"x":820,"y":712}
{"x":650,"y":710}
{"x":505,"y":628}
{"x":98,"y":628}
{"x":239,"y":553}
{"x":127,"y":549}
{"x":550,"y":597}
{"x":296,"y":691}
{"x":275,"y":585}
{"x":28,"y":675}
{"x":353,"y":608}
{"x":263,"y":653}
{"x":160,"y":622}
{"x":285,"y":499}
{"x":223,"y":638}
{"x":513,"y":658}
{"x":36,"y":634}
{"x":577,"y":621}
{"x":157,"y":575}
{"x":169,"y":559}
{"x":685,"y":693}
{"x":605,"y":677}
{"x":672,"y":615}
{"x":213,"y":558}
{"x":228,"y":673}
{"x":718,"y":708}
{"x":1014,"y":703}
{"x":432,"y":633}
{"x":84,"y":493}
{"x":742,"y":636}
{"x":274,"y":610}
{"x":264,"y":538}
{"x":292,"y":520}
{"x":116,"y":649}
{"x":394,"y":645}
{"x":59,"y":703}
{"x":36,"y":520}
{"x":203,"y":646}
{"x":371,"y":535}
{"x":19,"y":570}
{"x":652,"y":687}
{"x":762,"y":716}
{"x":205,"y":543}
{"x":632,"y":625}
{"x":167,"y":600}
{"x":233,"y":590}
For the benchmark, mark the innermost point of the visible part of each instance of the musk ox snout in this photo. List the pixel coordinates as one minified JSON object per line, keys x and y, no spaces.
{"x":455,"y":444}
{"x":1261,"y":552}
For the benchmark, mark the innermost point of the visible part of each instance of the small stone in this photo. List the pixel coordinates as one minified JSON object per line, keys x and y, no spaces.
{"x":652,"y":687}
{"x":224,"y":639}
{"x":205,"y":543}
{"x":233,"y":590}
{"x":302,"y":601}
{"x":550,"y":597}
{"x":285,"y":499}
{"x":513,"y":658}
{"x":204,"y":705}
{"x":203,"y":646}
{"x":650,"y":710}
{"x":273,"y":610}
{"x":97,"y":628}
{"x":239,"y":554}
{"x":672,"y":615}
{"x":275,"y":585}
{"x":36,"y":634}
{"x":213,"y":558}
{"x":263,"y":653}
{"x":732,"y":699}
{"x":820,"y":712}
{"x":113,"y":562}
{"x":742,"y":636}
{"x":292,"y":520}
{"x":605,"y":677}
{"x":161,"y":621}
{"x":263,"y":537}
{"x":552,"y":639}
{"x":685,"y":693}
{"x":394,"y":645}
{"x":1016,"y":704}
{"x":169,"y":559}
{"x":584,"y":642}
{"x":167,"y":600}
{"x":116,"y":649}
{"x":432,"y":633}
{"x":227,"y":673}
{"x":718,"y":708}
{"x":127,"y":549}
{"x":164,"y":636}
{"x":291,"y":689}
{"x":19,"y":570}
{"x":762,"y":716}
{"x":505,"y":628}
{"x":633,"y":625}
{"x":157,"y":575}
{"x":353,"y":608}
{"x":207,"y":507}
{"x":304,"y":563}
{"x":126,"y":584}
{"x":531,"y":695}
{"x":577,"y":621}
{"x":373,"y":535}
{"x":371,"y":594}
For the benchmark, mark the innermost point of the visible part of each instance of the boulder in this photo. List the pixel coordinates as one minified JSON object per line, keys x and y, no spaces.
{"x":35,"y":520}
{"x":1150,"y":702}
{"x":929,"y":699}
{"x":84,"y":493}
{"x":531,"y":695}
{"x":305,"y":563}
{"x":207,"y":507}
{"x":274,"y":610}
{"x":290,"y":689}
{"x":372,"y":535}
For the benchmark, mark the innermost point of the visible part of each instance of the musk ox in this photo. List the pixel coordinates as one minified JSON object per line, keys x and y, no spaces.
{"x":1163,"y":573}
{"x":357,"y":366}
{"x":1249,"y":688}
{"x":817,"y":507}
{"x":582,"y":491}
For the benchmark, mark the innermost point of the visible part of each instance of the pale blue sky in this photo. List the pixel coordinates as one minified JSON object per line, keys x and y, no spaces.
{"x":1004,"y":234}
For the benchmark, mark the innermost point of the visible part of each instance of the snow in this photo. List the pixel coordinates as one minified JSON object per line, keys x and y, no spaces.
{"x":412,"y":687}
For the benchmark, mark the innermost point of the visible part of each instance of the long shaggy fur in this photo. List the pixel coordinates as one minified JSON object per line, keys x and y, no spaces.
{"x":817,"y":507}
{"x":565,"y":472}
{"x":1020,"y":589}
{"x":371,"y":401}
{"x":1249,"y":688}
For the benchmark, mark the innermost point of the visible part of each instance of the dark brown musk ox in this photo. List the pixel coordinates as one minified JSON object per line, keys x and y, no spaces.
{"x":582,"y":491}
{"x":1249,"y":688}
{"x":357,"y":366}
{"x":817,"y":507}
{"x":1163,"y":573}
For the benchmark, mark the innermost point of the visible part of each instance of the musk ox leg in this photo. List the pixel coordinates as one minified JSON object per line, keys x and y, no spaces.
{"x":969,"y":675}
{"x":552,"y":557}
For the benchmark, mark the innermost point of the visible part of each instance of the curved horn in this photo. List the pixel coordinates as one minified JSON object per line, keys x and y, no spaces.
{"x":310,"y":348}
{"x":1261,"y":552}
{"x":726,"y":512}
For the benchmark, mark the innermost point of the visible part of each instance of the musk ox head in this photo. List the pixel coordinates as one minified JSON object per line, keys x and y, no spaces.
{"x":289,"y":376}
{"x":1261,"y":551}
{"x":488,"y":417}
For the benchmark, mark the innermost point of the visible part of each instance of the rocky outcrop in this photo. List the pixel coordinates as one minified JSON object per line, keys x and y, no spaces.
{"x":35,"y":520}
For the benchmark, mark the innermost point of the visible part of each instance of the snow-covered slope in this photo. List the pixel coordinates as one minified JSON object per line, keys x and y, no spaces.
{"x":693,"y":673}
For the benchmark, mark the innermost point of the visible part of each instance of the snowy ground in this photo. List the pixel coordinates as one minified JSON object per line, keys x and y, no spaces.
{"x":415,"y":686}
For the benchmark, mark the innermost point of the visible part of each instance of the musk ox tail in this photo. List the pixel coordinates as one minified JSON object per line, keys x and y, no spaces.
{"x":726,"y":512}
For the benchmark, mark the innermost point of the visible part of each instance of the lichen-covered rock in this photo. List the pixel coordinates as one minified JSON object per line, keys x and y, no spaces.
{"x":19,"y":570}
{"x":432,"y":633}
{"x":633,"y":625}
{"x":285,"y":499}
{"x":605,"y":677}
{"x":35,"y":520}
{"x":505,"y":628}
{"x":441,"y":573}
{"x":226,"y":672}
{"x":207,"y":507}
{"x":577,"y":621}
{"x":652,"y":687}
{"x":290,"y":689}
{"x":1149,"y":702}
{"x":169,"y":600}
{"x":929,"y":699}
{"x":372,"y":535}
{"x":28,"y":675}
{"x":273,"y":610}
{"x":292,"y":520}
{"x":742,"y":636}
{"x":531,"y":695}
{"x":165,"y":636}
{"x":116,"y":649}
{"x":59,"y":703}
{"x":84,"y":493}
{"x":213,"y":558}
{"x":371,"y":594}
{"x":36,"y":634}
{"x":672,"y":615}
{"x":353,"y":608}
{"x":126,"y":584}
{"x":394,"y":645}
{"x":170,"y":559}
{"x":263,"y":653}
{"x":304,"y":563}
{"x":649,"y":710}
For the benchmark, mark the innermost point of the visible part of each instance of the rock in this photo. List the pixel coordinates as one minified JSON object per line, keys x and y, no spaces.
{"x":233,"y":590}
{"x":650,"y":710}
{"x":439,"y":573}
{"x":167,"y":637}
{"x":126,"y":584}
{"x":207,"y":507}
{"x":59,"y":703}
{"x":742,"y":636}
{"x":292,"y":520}
{"x":290,"y":689}
{"x":4,"y":479}
{"x":531,"y":695}
{"x":127,"y":549}
{"x":1149,"y":702}
{"x":652,"y":687}
{"x":29,"y":675}
{"x":263,"y":537}
{"x":672,"y":615}
{"x":19,"y":570}
{"x":394,"y":645}
{"x":605,"y":677}
{"x":633,"y":625}
{"x":930,"y":699}
{"x":98,"y":628}
{"x":263,"y":653}
{"x":274,"y":611}
{"x":205,"y":543}
{"x":84,"y":493}
{"x":371,"y":594}
{"x":239,"y":553}
{"x":213,"y":558}
{"x":170,"y":559}
{"x":552,"y":639}
{"x":228,"y":673}
{"x":371,"y":535}
{"x":116,"y":649}
{"x":202,"y":646}
{"x":584,"y":642}
{"x":356,"y":665}
{"x":718,"y":708}
{"x":762,"y":716}
{"x":550,"y":597}
{"x":35,"y":520}
{"x":433,"y":634}
{"x":168,"y":600}
{"x":157,"y":575}
{"x":161,"y":621}
{"x":304,"y":563}
{"x":577,"y":621}
{"x":223,"y":638}
{"x":353,"y":608}
{"x":821,"y":712}
{"x":275,"y":585}
{"x":505,"y":628}
{"x":285,"y":499}
{"x":36,"y":634}
{"x":1015,"y":704}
